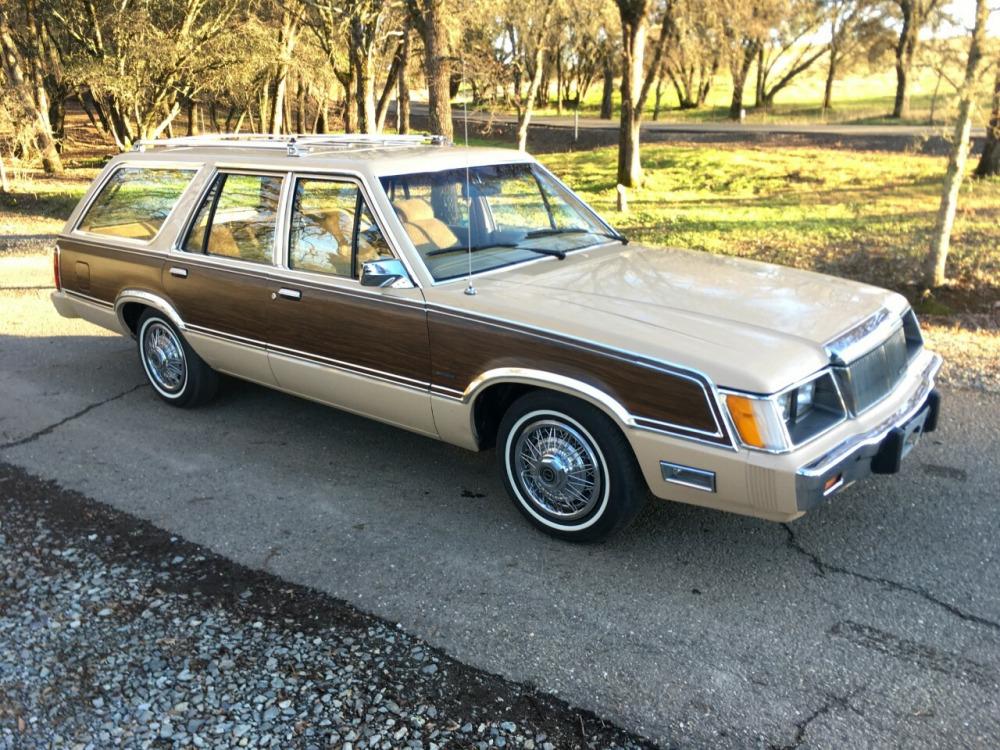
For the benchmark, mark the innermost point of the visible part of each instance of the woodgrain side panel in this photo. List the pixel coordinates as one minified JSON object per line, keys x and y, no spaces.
{"x":366,"y":331}
{"x":463,"y":348}
{"x":231,"y":301}
{"x":102,"y":272}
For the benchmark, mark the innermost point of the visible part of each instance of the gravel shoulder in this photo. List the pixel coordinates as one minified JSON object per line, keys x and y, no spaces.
{"x":115,"y":632}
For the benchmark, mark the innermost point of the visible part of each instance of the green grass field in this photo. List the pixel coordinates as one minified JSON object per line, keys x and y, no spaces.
{"x":861,"y":97}
{"x":864,"y":215}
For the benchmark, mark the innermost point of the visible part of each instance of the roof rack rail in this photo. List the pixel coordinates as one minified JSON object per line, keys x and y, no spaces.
{"x":293,"y":145}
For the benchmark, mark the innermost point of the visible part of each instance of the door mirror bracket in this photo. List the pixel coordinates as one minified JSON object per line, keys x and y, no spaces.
{"x":385,"y":273}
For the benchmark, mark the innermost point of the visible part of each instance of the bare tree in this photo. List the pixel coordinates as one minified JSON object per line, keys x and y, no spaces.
{"x":790,"y":49}
{"x":914,"y":15}
{"x":638,"y":75}
{"x":938,"y":257}
{"x":693,"y":54}
{"x":428,"y":18}
{"x":989,"y":162}
{"x":526,"y":29}
{"x":29,"y":95}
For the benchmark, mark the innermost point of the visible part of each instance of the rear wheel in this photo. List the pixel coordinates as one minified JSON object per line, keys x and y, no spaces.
{"x":178,"y":375}
{"x":568,"y":467}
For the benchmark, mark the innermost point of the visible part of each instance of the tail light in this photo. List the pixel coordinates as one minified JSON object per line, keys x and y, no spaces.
{"x":56,"y":275}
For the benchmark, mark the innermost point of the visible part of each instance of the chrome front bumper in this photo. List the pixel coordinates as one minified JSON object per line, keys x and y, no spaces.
{"x":877,"y":450}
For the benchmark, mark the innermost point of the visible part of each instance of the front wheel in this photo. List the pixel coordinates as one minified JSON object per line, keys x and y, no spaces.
{"x":178,"y":375}
{"x":568,"y":467}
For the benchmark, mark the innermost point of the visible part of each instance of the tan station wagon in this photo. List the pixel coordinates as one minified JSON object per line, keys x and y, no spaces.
{"x":468,"y":295}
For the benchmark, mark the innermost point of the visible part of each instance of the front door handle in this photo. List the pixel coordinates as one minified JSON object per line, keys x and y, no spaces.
{"x":293,"y":294}
{"x":180,"y":273}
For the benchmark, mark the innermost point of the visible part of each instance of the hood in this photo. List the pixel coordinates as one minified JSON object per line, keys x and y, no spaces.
{"x":745,"y":324}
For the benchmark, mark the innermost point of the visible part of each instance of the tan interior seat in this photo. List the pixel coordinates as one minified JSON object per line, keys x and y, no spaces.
{"x":222,"y":242}
{"x":425,"y":230}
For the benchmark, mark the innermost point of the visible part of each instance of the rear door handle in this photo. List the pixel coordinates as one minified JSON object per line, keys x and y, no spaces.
{"x":293,"y":294}
{"x":180,"y":273}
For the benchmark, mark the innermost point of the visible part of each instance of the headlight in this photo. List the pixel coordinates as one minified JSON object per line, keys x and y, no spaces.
{"x":790,"y":418}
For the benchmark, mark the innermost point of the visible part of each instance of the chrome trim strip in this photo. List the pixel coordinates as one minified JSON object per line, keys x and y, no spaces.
{"x":621,"y":354}
{"x":688,"y":476}
{"x":333,"y":364}
{"x":877,"y":434}
{"x":341,"y":364}
{"x":852,"y":344}
{"x":88,"y":298}
{"x":589,"y":392}
{"x":230,"y":337}
{"x":146,"y":298}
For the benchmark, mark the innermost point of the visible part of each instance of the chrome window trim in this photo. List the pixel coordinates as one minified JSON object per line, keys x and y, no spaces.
{"x":773,"y":398}
{"x":194,"y":167}
{"x":177,"y":246}
{"x":518,"y":264}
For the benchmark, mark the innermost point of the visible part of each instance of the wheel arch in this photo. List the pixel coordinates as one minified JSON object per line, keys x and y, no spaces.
{"x":491,"y":393}
{"x":131,"y":302}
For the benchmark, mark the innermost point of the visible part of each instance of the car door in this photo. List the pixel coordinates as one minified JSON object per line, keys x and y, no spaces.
{"x":217,"y":275}
{"x":362,"y":349}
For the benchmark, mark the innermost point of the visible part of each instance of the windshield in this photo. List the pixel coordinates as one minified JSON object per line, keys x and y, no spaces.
{"x":510,"y":213}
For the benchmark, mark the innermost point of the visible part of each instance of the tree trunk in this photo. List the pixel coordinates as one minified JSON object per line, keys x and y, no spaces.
{"x":608,"y":91}
{"x":905,"y":48}
{"x":13,"y":69}
{"x":437,"y":69}
{"x":761,"y":79}
{"x":633,"y":50}
{"x":658,"y":97}
{"x":989,"y":162}
{"x":403,"y":96}
{"x":559,"y":83}
{"x":831,"y":76}
{"x":192,"y":117}
{"x":740,"y":71}
{"x":4,"y":182}
{"x":940,"y":241}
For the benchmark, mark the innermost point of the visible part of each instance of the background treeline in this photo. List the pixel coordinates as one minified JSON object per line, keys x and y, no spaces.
{"x":142,"y":69}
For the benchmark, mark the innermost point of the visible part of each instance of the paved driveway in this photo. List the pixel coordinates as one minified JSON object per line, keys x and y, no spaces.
{"x":874,"y":621}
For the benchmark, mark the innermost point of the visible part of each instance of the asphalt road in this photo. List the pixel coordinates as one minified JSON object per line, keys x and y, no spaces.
{"x":875,"y":621}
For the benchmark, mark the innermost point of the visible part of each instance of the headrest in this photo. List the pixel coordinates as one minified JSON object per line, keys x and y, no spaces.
{"x":413,"y":209}
{"x":337,"y":221}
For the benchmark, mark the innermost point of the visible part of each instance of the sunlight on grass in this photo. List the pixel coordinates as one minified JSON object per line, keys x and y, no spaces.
{"x":864,"y":215}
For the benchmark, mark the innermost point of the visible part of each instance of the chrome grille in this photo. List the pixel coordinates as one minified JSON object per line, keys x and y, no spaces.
{"x":867,"y":380}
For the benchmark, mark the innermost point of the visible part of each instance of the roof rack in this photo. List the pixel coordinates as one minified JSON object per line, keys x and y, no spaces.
{"x":293,"y":145}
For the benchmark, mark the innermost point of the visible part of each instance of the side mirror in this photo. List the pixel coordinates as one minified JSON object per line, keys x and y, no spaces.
{"x":385,"y":272}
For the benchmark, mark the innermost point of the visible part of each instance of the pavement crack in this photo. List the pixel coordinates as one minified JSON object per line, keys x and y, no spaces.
{"x":823,"y":567}
{"x":801,"y":727}
{"x":76,"y":415}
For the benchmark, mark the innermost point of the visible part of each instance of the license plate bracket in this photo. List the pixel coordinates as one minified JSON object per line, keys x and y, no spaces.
{"x":898,"y":443}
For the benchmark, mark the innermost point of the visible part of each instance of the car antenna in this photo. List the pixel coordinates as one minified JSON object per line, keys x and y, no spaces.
{"x":469,"y":289}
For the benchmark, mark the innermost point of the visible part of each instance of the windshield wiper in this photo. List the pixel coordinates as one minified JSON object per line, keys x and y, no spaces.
{"x":542,"y":250}
{"x":550,"y":232}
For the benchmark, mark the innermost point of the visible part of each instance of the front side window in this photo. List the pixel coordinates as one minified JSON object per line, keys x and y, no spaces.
{"x":236,"y":218}
{"x":135,"y":201}
{"x":499,"y":214}
{"x":332,"y":230}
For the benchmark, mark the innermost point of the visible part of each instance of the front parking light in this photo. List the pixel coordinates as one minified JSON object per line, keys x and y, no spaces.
{"x":757,"y":422}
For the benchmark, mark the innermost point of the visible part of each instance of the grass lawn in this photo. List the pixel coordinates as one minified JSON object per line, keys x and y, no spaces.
{"x":864,"y":215}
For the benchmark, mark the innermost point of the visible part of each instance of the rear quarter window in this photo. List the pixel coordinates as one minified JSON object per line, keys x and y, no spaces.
{"x":135,"y":201}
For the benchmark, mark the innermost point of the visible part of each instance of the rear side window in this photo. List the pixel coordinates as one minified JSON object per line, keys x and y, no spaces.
{"x":135,"y":201}
{"x":237,"y":217}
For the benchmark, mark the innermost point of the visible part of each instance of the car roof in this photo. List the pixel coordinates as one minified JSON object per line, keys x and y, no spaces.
{"x":376,"y":155}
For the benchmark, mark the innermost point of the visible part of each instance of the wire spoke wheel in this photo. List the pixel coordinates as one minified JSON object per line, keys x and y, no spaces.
{"x":163,"y":356}
{"x":557,"y":468}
